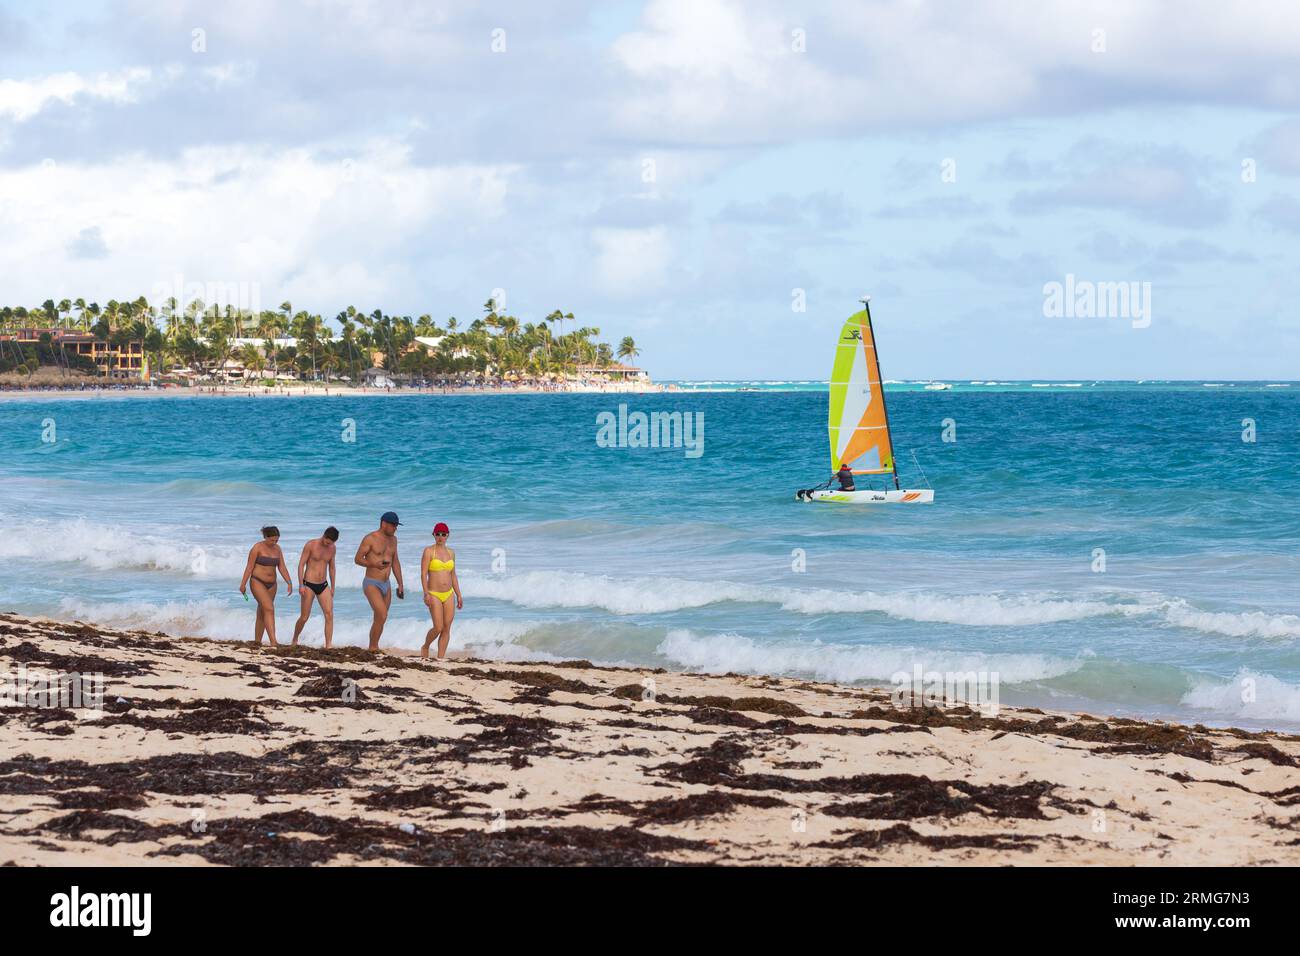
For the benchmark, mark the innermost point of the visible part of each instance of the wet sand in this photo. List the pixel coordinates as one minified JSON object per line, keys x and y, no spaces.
{"x":212,"y":752}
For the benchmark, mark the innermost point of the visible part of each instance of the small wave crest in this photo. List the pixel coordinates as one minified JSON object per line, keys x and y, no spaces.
{"x":1249,"y":696}
{"x":568,"y":589}
{"x":1230,"y":624}
{"x":107,"y":547}
{"x":724,"y":653}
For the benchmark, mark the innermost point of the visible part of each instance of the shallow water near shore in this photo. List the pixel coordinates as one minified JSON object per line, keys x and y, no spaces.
{"x":140,"y":513}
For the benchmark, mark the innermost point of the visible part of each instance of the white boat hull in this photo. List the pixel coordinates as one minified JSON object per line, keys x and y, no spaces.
{"x":923,"y":496}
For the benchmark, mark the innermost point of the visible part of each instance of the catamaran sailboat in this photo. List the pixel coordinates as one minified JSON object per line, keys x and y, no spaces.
{"x":859,"y":421}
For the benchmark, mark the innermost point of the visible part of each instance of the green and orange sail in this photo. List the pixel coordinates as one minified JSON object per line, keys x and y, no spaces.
{"x":859,"y":425}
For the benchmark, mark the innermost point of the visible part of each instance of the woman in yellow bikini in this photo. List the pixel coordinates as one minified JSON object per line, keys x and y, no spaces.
{"x":438,"y":573}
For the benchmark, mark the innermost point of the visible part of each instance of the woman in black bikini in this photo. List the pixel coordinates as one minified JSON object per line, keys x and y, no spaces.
{"x":264,"y":559}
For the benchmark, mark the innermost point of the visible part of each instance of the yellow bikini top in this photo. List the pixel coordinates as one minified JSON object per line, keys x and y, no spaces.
{"x":437,"y":564}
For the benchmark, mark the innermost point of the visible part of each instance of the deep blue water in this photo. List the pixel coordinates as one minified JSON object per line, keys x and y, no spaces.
{"x":141,"y":512}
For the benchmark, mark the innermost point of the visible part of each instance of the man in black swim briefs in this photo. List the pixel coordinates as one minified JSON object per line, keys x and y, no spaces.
{"x":316,"y":581}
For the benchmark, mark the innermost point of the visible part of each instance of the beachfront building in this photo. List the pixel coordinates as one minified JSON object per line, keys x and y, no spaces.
{"x":377,"y":377}
{"x":125,"y":360}
{"x":616,"y":372}
{"x":261,"y":344}
{"x":430,"y":344}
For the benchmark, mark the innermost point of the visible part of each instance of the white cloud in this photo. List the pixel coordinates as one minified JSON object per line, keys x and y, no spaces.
{"x":630,"y":261}
{"x":295,"y":224}
{"x":722,"y":70}
{"x":20,"y":100}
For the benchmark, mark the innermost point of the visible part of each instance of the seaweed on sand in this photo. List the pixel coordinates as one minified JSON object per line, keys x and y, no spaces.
{"x":273,"y":840}
{"x":902,"y":833}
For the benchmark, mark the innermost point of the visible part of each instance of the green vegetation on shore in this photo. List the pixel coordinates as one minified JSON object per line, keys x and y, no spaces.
{"x":204,"y":338}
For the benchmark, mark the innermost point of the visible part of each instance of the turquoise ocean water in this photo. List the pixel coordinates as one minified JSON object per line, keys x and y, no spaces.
{"x":141,"y":511}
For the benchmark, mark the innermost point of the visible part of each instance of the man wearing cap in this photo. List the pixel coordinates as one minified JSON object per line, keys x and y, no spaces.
{"x":378,"y":555}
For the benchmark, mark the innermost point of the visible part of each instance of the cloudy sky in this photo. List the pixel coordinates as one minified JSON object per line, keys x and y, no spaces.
{"x":720,"y":179}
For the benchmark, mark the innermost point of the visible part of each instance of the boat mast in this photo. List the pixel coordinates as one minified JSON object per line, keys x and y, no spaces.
{"x":875,"y":345}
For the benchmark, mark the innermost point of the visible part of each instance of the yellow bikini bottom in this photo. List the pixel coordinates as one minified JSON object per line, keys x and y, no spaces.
{"x":441,"y":595}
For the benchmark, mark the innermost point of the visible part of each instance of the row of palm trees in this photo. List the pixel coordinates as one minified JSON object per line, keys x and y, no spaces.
{"x":203,"y":338}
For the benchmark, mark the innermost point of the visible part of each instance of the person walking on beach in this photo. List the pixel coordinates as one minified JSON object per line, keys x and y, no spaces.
{"x":264,"y":559}
{"x":316,"y":581}
{"x":378,"y":555}
{"x":438,"y":573}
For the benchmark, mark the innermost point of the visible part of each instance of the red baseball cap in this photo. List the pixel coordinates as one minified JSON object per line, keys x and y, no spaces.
{"x":441,"y":528}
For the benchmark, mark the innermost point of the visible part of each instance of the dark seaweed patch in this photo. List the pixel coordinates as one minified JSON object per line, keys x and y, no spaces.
{"x":29,"y":653}
{"x":432,"y":796}
{"x":902,"y":833}
{"x":1263,"y":751}
{"x":1123,"y":736}
{"x":902,"y":796}
{"x":271,"y":841}
{"x":539,"y":679}
{"x":760,"y":705}
{"x":909,"y":797}
{"x":694,"y":805}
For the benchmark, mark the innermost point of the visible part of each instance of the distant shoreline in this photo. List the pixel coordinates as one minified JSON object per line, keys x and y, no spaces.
{"x":210,"y":392}
{"x":676,"y":387}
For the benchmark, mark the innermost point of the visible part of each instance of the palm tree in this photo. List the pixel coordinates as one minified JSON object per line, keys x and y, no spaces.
{"x":559,"y":317}
{"x":627,"y":348}
{"x":253,"y":359}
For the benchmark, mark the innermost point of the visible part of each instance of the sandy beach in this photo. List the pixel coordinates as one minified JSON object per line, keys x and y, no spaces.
{"x":210,"y":752}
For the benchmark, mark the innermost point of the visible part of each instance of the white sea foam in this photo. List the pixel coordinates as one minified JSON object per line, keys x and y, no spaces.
{"x":106,"y":547}
{"x":972,"y":610}
{"x":723,"y":653}
{"x":491,"y":638}
{"x":1248,"y":696}
{"x":567,"y":589}
{"x":1242,"y":624}
{"x":109,"y":547}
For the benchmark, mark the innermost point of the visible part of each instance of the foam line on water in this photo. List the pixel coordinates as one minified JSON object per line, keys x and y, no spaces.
{"x":1249,"y":696}
{"x":567,"y":589}
{"x":724,"y":653}
{"x":654,"y":595}
{"x":492,"y":638}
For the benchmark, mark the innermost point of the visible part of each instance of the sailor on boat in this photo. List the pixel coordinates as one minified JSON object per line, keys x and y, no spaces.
{"x":845,"y":477}
{"x":858,"y":422}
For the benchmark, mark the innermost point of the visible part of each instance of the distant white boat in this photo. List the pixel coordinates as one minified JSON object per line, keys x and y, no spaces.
{"x":937,"y":386}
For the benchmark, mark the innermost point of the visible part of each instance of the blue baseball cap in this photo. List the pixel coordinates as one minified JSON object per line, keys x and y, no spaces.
{"x":389,"y":517}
